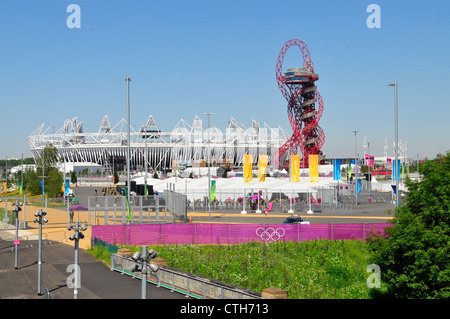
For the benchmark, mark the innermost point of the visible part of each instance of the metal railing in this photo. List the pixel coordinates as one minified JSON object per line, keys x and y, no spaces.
{"x":188,"y":284}
{"x":9,"y":242}
{"x":340,"y":197}
{"x":47,"y":293}
{"x":168,"y":207}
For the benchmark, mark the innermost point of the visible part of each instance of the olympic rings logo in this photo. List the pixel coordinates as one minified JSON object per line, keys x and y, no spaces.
{"x":270,"y":233}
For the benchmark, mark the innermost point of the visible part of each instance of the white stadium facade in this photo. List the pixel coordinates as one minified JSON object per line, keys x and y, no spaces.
{"x":189,"y":145}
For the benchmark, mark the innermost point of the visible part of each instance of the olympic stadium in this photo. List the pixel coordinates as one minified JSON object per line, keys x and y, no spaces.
{"x":188,"y":145}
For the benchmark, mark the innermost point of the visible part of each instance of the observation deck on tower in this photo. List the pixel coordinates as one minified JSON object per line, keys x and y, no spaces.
{"x":299,"y":75}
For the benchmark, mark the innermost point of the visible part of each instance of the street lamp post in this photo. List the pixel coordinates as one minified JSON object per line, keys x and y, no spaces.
{"x":77,"y":235}
{"x":356,"y":176}
{"x":41,"y":220}
{"x":128,"y":143}
{"x":16,"y":211}
{"x":355,"y":145}
{"x":396,"y":143}
{"x":144,"y":259}
{"x":209,"y":164}
{"x":6,"y":189}
{"x":146,"y":162}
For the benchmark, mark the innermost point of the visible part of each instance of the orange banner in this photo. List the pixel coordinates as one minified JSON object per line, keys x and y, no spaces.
{"x":248,"y":169}
{"x":263,"y":160}
{"x":295,"y":168}
{"x":313,"y":168}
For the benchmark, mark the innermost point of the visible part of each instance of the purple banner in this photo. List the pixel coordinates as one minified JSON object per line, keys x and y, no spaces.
{"x":166,"y":234}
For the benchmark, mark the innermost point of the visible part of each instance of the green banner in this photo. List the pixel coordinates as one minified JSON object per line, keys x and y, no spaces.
{"x":350,"y":170}
{"x":212,"y":195}
{"x":128,"y":204}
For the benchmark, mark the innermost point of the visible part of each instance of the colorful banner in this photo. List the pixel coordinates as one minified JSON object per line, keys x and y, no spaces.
{"x":358,"y":186}
{"x":42,"y":186}
{"x":295,"y":168}
{"x":396,"y":170}
{"x":20,"y":188}
{"x":337,"y":170}
{"x":350,"y":170}
{"x":248,"y":169}
{"x":314,"y":168}
{"x":67,"y":188}
{"x":369,"y":160}
{"x":212,"y":194}
{"x":263,"y":161}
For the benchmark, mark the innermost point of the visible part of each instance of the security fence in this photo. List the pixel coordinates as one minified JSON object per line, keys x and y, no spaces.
{"x":341,"y":197}
{"x":212,"y":233}
{"x":7,"y":216}
{"x":167,"y":207}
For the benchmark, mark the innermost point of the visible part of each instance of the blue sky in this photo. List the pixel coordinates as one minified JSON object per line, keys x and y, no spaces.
{"x":190,"y":57}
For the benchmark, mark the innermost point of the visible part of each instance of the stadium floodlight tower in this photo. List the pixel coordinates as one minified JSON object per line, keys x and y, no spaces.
{"x":298,"y":87}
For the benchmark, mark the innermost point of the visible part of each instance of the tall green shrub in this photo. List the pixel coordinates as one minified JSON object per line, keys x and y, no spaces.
{"x":414,"y":258}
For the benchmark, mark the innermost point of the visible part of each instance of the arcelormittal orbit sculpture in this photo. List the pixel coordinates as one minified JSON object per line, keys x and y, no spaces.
{"x":299,"y":88}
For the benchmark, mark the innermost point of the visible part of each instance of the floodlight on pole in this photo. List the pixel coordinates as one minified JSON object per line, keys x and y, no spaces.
{"x":395,"y":84}
{"x":209,"y":164}
{"x":144,"y":258}
{"x":16,"y":211}
{"x":76,"y":236}
{"x":128,"y":142}
{"x":356,"y":176}
{"x":41,"y":220}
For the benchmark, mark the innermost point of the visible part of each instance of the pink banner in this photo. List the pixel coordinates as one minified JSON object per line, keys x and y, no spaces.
{"x":166,"y":234}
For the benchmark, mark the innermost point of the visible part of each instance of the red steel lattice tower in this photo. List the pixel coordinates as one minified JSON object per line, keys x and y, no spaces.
{"x":298,"y":87}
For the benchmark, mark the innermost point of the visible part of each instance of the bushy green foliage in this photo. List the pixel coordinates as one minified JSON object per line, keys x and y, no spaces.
{"x":73,"y":177}
{"x":414,"y":257}
{"x":100,"y":252}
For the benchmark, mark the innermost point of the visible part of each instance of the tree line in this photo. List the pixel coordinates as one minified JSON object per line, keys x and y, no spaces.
{"x":46,"y":171}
